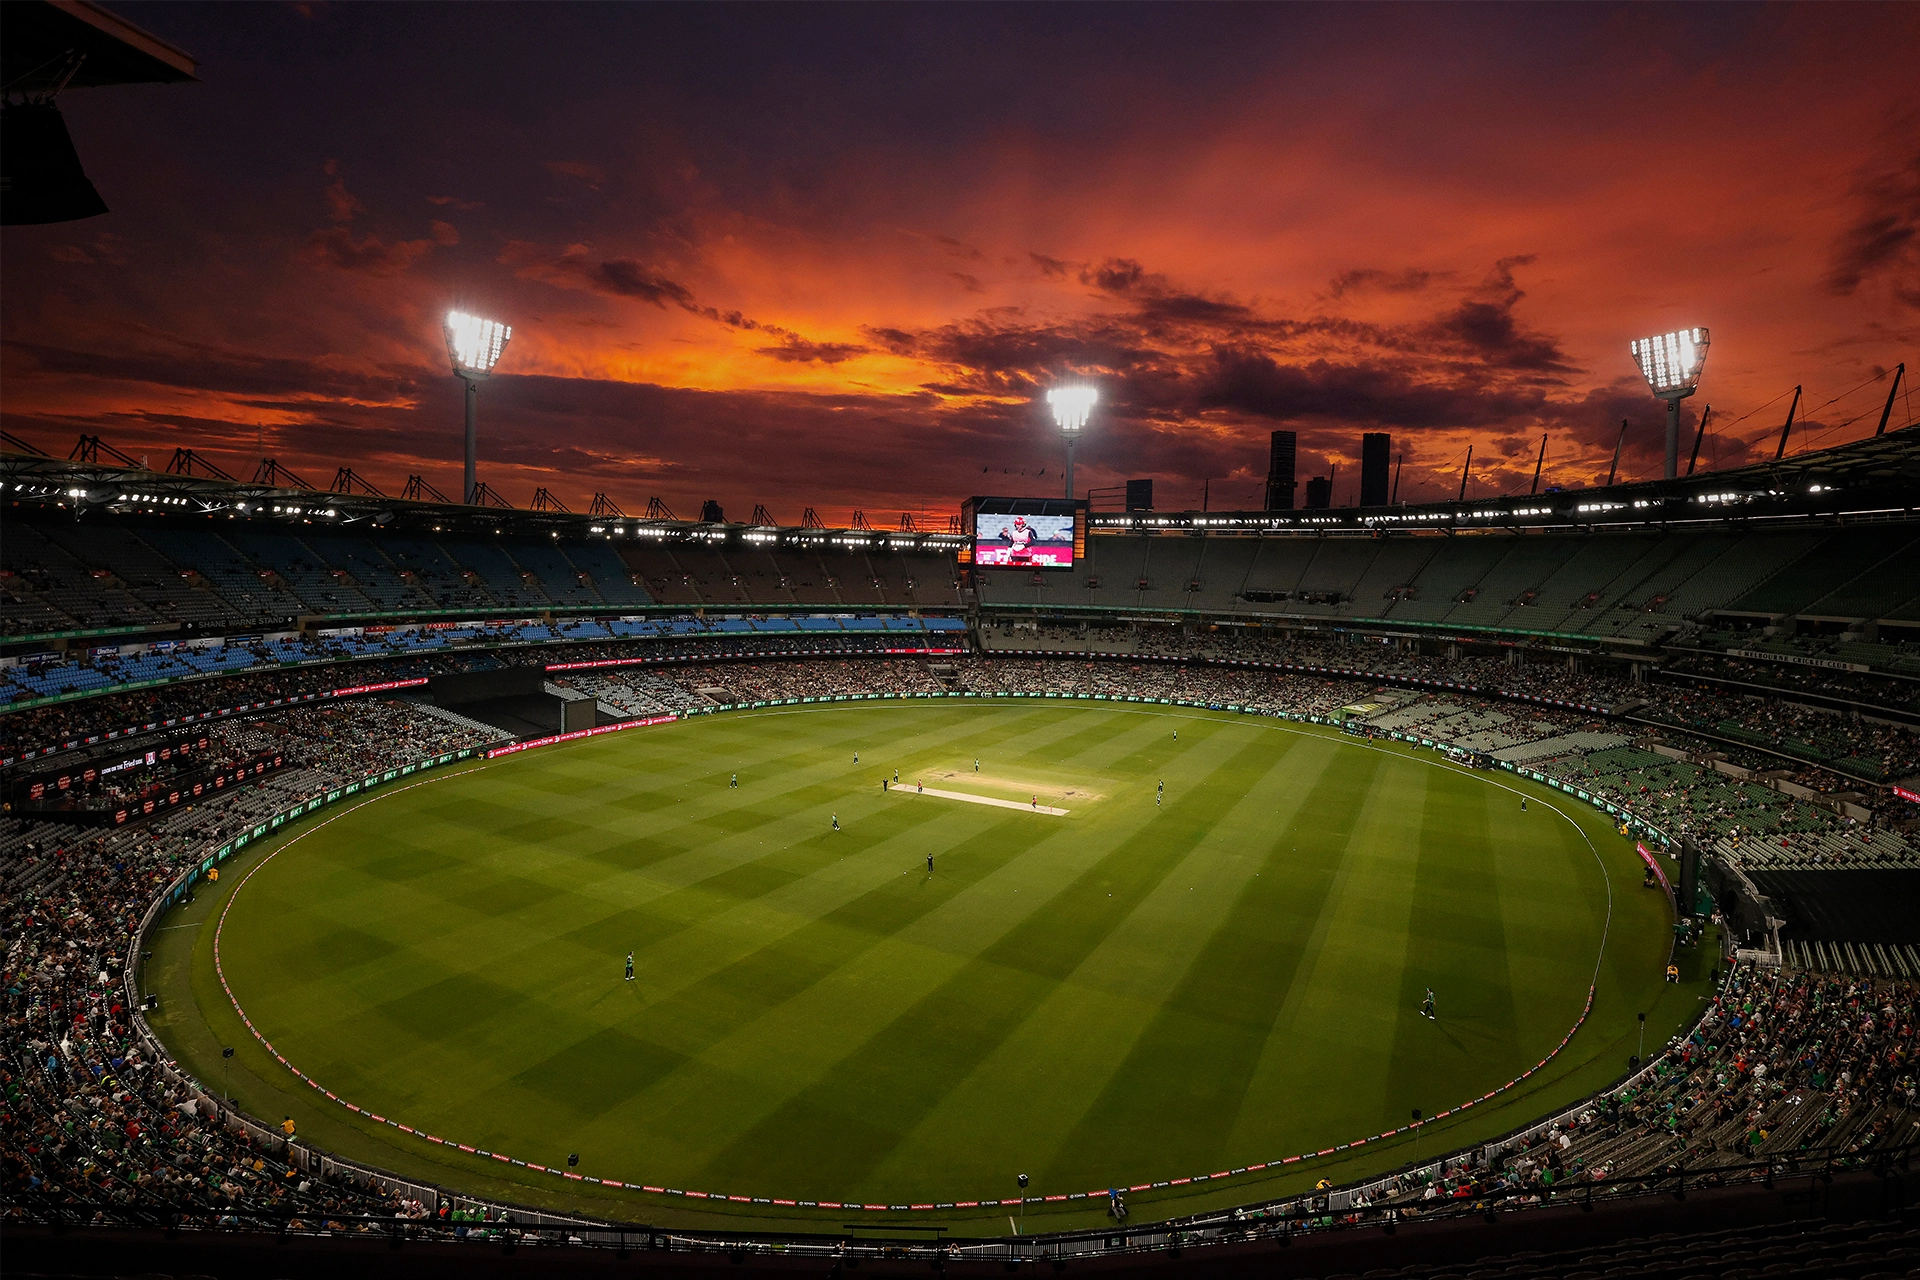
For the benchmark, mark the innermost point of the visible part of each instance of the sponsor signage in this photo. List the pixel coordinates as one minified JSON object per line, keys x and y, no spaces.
{"x":512,"y":747}
{"x":1797,"y":660}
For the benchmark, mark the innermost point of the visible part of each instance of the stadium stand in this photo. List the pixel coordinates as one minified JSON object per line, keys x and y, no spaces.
{"x":1751,"y":689}
{"x":1786,"y":1063}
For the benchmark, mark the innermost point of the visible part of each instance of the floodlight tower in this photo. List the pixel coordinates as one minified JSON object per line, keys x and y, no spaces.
{"x":474,"y":345}
{"x":1671,"y":364}
{"x":1071,"y":405}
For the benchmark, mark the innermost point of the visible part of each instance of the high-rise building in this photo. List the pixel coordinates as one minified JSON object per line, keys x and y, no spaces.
{"x":1280,"y":472}
{"x":1375,"y":448}
{"x":1319,"y":493}
{"x":1139,"y":495}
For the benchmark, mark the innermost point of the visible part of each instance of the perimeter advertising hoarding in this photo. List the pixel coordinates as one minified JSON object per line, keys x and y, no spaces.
{"x":1025,"y":533}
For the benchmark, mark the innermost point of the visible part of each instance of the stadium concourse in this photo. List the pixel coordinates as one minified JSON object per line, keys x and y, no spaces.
{"x":177,"y":685}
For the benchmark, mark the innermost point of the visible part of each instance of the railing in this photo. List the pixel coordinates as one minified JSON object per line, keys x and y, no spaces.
{"x":1305,"y":1216}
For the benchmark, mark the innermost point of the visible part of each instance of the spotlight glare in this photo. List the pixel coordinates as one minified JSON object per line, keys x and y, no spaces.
{"x":1671,"y":362}
{"x":475,"y":344}
{"x":1072,"y":405}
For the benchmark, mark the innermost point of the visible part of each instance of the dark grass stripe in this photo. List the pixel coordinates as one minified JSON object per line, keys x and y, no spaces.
{"x":1153,"y":756}
{"x":1456,"y":944}
{"x":854,"y":1116}
{"x":728,"y":1001}
{"x":658,"y":921}
{"x":1229,"y":998}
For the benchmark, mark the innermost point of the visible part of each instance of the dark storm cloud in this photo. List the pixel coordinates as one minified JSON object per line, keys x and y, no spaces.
{"x":625,"y":278}
{"x":578,"y":268}
{"x":203,"y":366}
{"x":1115,"y":275}
{"x":1263,"y":229}
{"x":998,"y":353}
{"x":1884,"y":238}
{"x":1360,"y":279}
{"x":1257,"y":384}
{"x":797,"y":350}
{"x":960,"y":249}
{"x":1178,"y":353}
{"x":337,"y":246}
{"x":1484,"y":326}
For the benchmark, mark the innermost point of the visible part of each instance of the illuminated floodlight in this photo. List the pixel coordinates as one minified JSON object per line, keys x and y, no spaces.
{"x":1072,"y":404}
{"x":1671,"y":364}
{"x":474,"y":345}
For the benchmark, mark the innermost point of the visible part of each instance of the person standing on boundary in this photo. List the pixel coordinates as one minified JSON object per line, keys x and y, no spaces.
{"x":629,"y":966}
{"x":976,"y":764}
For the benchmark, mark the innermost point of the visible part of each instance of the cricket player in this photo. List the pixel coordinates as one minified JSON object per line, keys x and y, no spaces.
{"x":1426,"y":1006}
{"x":629,"y":966}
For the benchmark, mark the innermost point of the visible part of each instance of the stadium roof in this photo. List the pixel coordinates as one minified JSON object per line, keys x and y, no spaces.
{"x":1878,"y":476}
{"x":1874,"y":478}
{"x":44,"y":36}
{"x":86,"y":483}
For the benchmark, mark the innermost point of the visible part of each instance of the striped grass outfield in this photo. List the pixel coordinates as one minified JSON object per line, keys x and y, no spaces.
{"x":1132,"y":993}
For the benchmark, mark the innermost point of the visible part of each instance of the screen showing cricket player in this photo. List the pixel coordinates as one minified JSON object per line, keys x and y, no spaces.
{"x":1023,"y":541}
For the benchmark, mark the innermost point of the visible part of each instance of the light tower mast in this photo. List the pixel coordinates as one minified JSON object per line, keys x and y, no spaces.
{"x":474,"y":345}
{"x":1071,"y":406}
{"x":1671,"y":364}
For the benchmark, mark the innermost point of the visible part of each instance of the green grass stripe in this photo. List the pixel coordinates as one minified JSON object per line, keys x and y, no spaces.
{"x":1134,"y":992}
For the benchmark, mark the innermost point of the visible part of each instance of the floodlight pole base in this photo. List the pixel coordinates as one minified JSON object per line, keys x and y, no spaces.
{"x":1673,"y":431}
{"x":473,"y":439}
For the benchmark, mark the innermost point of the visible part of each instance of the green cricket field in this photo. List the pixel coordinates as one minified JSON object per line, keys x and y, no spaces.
{"x":1094,"y":981}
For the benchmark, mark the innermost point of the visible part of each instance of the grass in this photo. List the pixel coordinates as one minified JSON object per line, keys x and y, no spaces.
{"x":1136,"y":992}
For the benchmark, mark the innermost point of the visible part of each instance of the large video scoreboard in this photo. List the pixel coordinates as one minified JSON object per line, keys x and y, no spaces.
{"x":1024,"y":533}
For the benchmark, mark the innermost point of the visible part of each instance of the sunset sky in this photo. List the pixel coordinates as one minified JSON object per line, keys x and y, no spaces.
{"x":833,"y":256}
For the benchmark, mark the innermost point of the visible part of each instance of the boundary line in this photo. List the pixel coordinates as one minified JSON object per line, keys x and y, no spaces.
{"x":465,"y":1148}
